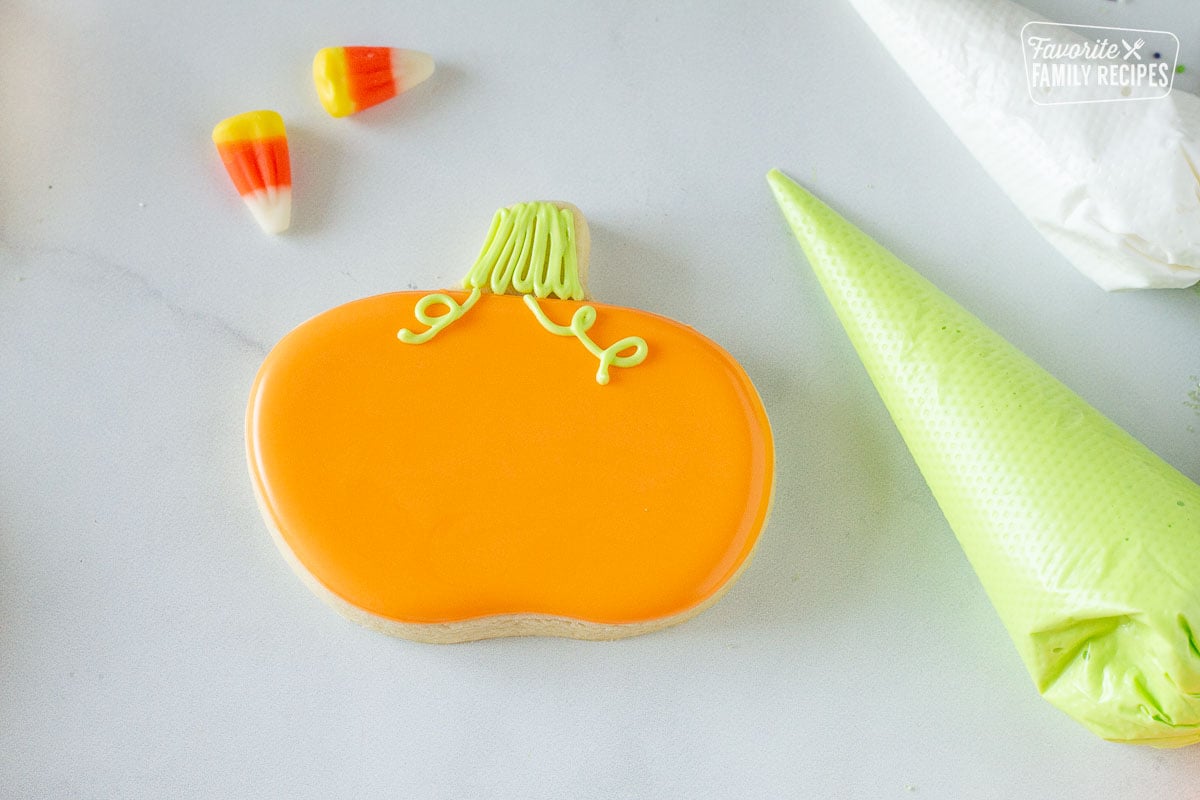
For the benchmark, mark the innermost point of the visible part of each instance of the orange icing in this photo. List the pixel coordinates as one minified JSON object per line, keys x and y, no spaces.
{"x":486,"y":472}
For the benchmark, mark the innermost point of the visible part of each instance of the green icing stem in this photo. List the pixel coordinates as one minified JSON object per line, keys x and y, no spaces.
{"x":436,"y":324}
{"x":583,"y":319}
{"x":530,"y":247}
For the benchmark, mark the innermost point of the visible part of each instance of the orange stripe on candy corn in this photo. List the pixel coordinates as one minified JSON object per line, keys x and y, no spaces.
{"x":258,"y":164}
{"x":369,"y":75}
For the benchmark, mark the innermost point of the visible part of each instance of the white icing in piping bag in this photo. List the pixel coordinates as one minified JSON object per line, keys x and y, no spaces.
{"x":1115,"y":186}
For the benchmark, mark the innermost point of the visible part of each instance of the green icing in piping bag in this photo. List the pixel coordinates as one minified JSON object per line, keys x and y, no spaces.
{"x":1087,"y":543}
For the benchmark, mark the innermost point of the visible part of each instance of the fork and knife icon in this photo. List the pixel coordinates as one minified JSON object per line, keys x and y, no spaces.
{"x":1132,"y":50}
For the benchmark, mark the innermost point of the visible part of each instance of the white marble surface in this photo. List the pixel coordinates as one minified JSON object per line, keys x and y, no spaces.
{"x":154,"y":644}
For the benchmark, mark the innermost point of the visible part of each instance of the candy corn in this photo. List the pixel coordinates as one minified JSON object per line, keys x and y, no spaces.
{"x":349,"y":79}
{"x":1087,"y":543}
{"x":255,"y":151}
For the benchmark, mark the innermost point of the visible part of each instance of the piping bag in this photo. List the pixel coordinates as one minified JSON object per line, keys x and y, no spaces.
{"x":1115,"y":186}
{"x":1087,"y":543}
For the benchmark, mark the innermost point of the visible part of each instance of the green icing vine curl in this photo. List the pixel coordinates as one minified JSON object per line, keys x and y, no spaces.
{"x":583,"y":319}
{"x":438,"y":323}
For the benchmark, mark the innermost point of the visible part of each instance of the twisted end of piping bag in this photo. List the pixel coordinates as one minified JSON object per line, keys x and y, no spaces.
{"x":1087,"y":543}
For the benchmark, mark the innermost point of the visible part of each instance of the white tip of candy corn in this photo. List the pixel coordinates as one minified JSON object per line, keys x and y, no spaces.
{"x":410,"y":67}
{"x":271,"y":209}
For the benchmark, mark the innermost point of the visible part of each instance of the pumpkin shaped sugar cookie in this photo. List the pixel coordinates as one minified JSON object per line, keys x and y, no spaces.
{"x":510,"y":458}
